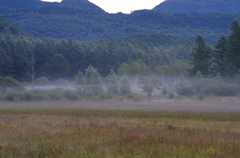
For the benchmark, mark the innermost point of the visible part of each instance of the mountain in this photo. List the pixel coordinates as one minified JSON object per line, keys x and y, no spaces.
{"x":31,"y":4}
{"x":86,"y":24}
{"x":81,"y":4}
{"x":8,"y":28}
{"x":20,"y":4}
{"x":200,"y":6}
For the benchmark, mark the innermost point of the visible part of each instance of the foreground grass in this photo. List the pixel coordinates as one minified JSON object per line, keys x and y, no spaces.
{"x":114,"y":133}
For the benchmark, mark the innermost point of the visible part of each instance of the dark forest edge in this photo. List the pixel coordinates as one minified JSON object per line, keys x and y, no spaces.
{"x":93,"y":65}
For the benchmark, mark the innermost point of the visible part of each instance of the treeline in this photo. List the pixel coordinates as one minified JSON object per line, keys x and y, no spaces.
{"x":26,"y":58}
{"x":222,"y":60}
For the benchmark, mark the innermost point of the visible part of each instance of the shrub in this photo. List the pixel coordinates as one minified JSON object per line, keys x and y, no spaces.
{"x":41,"y":81}
{"x":184,"y":90}
{"x":53,"y":95}
{"x":219,"y":89}
{"x":164,"y":91}
{"x":9,"y":84}
{"x":38,"y":94}
{"x":70,"y":95}
{"x":11,"y":96}
{"x":201,"y":97}
{"x":106,"y":95}
{"x":171,"y":96}
{"x":27,"y":96}
{"x":133,"y":97}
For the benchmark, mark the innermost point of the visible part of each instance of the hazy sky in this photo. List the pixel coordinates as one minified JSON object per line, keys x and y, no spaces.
{"x":125,"y":6}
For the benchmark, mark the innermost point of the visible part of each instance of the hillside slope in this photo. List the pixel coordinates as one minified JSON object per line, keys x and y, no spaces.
{"x":31,"y":4}
{"x":200,"y":6}
{"x":8,"y":28}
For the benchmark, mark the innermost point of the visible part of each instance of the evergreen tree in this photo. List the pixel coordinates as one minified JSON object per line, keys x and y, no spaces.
{"x":219,"y":57}
{"x":234,"y":45}
{"x":238,"y":79}
{"x":201,"y":57}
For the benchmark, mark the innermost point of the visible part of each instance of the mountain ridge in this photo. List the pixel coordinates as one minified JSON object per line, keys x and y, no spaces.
{"x":85,"y":24}
{"x":203,"y":6}
{"x":32,"y":4}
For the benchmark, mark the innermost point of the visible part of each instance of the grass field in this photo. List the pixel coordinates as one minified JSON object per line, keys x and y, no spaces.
{"x":106,"y":129}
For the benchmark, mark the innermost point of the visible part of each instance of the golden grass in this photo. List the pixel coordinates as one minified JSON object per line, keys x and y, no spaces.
{"x":93,"y":133}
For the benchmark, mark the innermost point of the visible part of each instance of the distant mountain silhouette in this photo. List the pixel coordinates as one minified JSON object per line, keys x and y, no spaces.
{"x":29,"y":4}
{"x":81,"y":4}
{"x":200,"y":6}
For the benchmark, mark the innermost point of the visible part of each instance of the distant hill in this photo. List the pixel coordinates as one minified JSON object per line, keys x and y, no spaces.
{"x":85,"y":24}
{"x":200,"y":6}
{"x":82,"y":4}
{"x":31,"y":4}
{"x":8,"y":28}
{"x":20,"y":4}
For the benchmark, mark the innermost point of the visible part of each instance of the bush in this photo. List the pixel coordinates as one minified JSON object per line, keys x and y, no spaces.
{"x":53,"y":95}
{"x":184,"y":90}
{"x":9,"y":84}
{"x":164,"y":91}
{"x":12,"y":96}
{"x":41,"y":81}
{"x":171,"y":96}
{"x":219,"y":89}
{"x":70,"y":95}
{"x":106,"y":95}
{"x":38,"y":94}
{"x":133,"y":97}
{"x":27,"y":96}
{"x":201,"y":97}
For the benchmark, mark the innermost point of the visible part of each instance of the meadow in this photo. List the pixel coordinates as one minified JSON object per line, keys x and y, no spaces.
{"x":120,"y":128}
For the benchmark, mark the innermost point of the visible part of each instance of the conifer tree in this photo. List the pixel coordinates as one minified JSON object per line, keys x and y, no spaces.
{"x":234,"y":45}
{"x":219,"y":57}
{"x":201,"y":57}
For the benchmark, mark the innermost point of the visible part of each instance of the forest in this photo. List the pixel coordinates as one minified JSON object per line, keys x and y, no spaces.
{"x":26,"y":58}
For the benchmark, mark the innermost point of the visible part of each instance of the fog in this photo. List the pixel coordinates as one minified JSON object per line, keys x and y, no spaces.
{"x":177,"y":85}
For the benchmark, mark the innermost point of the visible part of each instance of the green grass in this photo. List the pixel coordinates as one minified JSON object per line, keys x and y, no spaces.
{"x":96,"y":133}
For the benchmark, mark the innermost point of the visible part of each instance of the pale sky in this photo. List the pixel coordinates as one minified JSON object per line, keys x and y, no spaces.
{"x":125,"y":6}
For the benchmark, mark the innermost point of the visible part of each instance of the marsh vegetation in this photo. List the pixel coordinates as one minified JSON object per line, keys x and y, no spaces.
{"x":86,"y":129}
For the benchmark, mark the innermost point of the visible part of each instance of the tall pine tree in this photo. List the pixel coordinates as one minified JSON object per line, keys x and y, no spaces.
{"x":219,"y":57}
{"x":201,"y":57}
{"x":233,"y":57}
